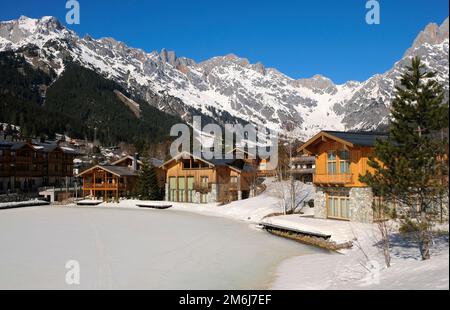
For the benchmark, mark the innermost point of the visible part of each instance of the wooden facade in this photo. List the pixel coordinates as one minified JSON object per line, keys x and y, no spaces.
{"x":25,"y":166}
{"x":263,"y":167}
{"x":338,"y":162}
{"x":108,"y":183}
{"x":195,"y":180}
{"x":341,"y":158}
{"x":130,"y":161}
{"x":117,"y":180}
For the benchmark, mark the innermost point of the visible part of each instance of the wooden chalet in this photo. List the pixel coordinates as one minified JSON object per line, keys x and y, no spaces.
{"x":133,"y":162}
{"x":117,"y":180}
{"x":196,"y":180}
{"x":341,"y":158}
{"x":108,"y":183}
{"x":263,"y":166}
{"x":26,"y":166}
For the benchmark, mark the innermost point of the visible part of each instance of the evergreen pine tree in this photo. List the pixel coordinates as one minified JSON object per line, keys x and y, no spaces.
{"x":147,"y":187}
{"x":409,"y":165}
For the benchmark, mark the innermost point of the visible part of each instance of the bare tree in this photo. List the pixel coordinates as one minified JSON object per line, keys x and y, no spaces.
{"x":292,"y":196}
{"x":382,"y":216}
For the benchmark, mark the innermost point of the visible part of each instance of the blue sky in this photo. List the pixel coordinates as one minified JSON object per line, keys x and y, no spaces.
{"x":299,"y":38}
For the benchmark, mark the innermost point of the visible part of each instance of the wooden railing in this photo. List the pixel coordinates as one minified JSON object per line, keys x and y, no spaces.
{"x":107,"y":186}
{"x":202,"y":187}
{"x":303,"y":171}
{"x":233,"y":186}
{"x":5,"y":159}
{"x":266,"y":173}
{"x":333,"y":179}
{"x":23,"y":159}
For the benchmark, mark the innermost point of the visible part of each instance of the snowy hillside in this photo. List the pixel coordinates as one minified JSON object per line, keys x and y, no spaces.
{"x":225,"y":88}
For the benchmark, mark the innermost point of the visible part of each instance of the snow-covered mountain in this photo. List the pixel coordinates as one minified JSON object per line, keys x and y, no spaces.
{"x":226,"y":88}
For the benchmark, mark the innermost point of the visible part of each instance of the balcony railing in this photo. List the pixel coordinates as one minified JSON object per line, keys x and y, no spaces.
{"x":110,"y":186}
{"x":333,"y":179}
{"x":202,"y":187}
{"x":233,"y":186}
{"x":303,"y":171}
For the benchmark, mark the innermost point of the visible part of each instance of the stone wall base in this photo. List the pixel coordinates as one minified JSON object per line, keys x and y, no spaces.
{"x":361,"y":200}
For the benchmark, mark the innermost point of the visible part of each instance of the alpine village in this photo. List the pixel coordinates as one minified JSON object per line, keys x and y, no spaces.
{"x":78,"y":139}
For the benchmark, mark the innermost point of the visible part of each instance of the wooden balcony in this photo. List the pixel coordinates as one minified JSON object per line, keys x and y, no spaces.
{"x":23,"y":159}
{"x":233,"y":187}
{"x":103,"y":186}
{"x":5,"y":159}
{"x":202,"y":187}
{"x":338,"y":179}
{"x":28,"y":173}
{"x":302,"y":171}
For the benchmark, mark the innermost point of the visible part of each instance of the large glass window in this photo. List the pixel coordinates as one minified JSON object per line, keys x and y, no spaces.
{"x":173,"y":189}
{"x":181,"y":189}
{"x":338,"y":203}
{"x":332,"y":170}
{"x":190,"y":184}
{"x":344,"y":162}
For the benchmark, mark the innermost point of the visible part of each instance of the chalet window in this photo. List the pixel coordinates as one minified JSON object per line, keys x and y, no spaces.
{"x":331,"y":161}
{"x":173,"y":189}
{"x":338,"y":204}
{"x":344,"y":162}
{"x":193,"y":164}
{"x":190,"y":188}
{"x":186,"y":164}
{"x":204,"y":184}
{"x":234,"y":180}
{"x":181,"y":189}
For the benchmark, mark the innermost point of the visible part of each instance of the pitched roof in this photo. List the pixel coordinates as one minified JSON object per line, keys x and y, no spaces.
{"x":13,"y":145}
{"x":120,"y":171}
{"x":212,"y":162}
{"x":359,"y":138}
{"x":40,"y":147}
{"x":116,"y":170}
{"x":350,"y":139}
{"x":154,"y":161}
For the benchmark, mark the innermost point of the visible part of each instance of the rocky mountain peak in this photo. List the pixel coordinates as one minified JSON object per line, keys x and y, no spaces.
{"x":228,"y":88}
{"x":432,"y":34}
{"x":168,"y":57}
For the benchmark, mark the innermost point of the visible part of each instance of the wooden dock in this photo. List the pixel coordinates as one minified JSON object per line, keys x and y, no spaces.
{"x":89,"y":203}
{"x":156,"y":207}
{"x":271,"y":227}
{"x":307,"y":237}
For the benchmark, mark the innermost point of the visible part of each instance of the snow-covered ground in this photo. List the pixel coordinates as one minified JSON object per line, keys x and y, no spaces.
{"x":18,"y":204}
{"x":125,"y":227}
{"x":362,"y":267}
{"x":136,"y":249}
{"x":250,"y":210}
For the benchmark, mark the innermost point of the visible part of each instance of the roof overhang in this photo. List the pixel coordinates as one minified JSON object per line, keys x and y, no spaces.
{"x":125,"y":158}
{"x":98,"y":167}
{"x":320,"y":138}
{"x":186,"y":155}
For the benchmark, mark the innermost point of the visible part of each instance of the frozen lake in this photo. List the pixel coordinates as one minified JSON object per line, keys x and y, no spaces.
{"x":136,"y":249}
